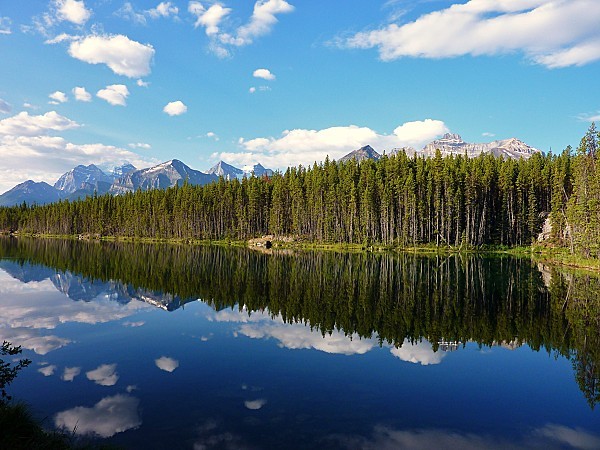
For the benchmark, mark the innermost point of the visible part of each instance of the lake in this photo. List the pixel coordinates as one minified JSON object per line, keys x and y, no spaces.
{"x":206,"y":347}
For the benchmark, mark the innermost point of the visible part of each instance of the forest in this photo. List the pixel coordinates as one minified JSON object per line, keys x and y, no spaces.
{"x":396,"y":201}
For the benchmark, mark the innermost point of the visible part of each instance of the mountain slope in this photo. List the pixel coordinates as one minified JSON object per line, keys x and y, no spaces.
{"x":366,"y":152}
{"x":79,"y":176}
{"x":227,"y":171}
{"x":453,"y":144}
{"x":162,"y":176}
{"x":30,"y":192}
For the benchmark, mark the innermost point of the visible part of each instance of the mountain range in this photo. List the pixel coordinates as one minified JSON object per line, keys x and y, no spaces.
{"x":83,"y":181}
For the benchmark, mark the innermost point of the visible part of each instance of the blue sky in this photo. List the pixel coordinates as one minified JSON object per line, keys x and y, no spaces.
{"x":285,"y":82}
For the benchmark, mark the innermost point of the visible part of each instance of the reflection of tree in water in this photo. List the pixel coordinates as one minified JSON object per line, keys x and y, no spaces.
{"x":395,"y":297}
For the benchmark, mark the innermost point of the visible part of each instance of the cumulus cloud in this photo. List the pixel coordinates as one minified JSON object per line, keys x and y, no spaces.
{"x":163,"y":9}
{"x":70,"y":373}
{"x":58,"y":97}
{"x":47,"y":370}
{"x":142,"y":83}
{"x":122,"y":55}
{"x":255,"y":404}
{"x":175,"y":108}
{"x":73,"y":11}
{"x":265,"y":74}
{"x":209,"y":18}
{"x":81,"y":95}
{"x":302,"y":146}
{"x":5,"y":107}
{"x":481,"y":27}
{"x":167,"y":364}
{"x":5,"y":24}
{"x":104,"y":375}
{"x":252,"y":90}
{"x":418,"y":353}
{"x":115,"y":94}
{"x":264,"y":17}
{"x":25,"y":125}
{"x":109,"y":416}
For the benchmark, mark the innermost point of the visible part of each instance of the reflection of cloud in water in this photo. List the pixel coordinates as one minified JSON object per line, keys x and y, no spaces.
{"x":104,"y":375}
{"x":47,"y":370}
{"x":212,"y":435}
{"x":255,"y":404}
{"x":70,"y":373}
{"x":30,"y":339}
{"x":30,"y":307}
{"x":575,"y":437}
{"x":109,"y":416}
{"x":420,"y":352}
{"x":167,"y":364}
{"x":293,"y":336}
{"x":548,"y":437}
{"x":134,"y":324}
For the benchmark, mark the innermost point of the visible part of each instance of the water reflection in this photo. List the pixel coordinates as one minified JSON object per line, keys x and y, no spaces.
{"x":421,"y":307}
{"x":111,"y":415}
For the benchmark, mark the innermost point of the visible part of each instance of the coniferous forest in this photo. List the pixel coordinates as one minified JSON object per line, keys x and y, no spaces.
{"x":395,"y":201}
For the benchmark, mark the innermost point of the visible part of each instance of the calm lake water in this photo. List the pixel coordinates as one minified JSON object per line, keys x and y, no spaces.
{"x":159,"y":346}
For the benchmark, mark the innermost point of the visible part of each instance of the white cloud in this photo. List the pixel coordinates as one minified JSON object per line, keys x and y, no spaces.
{"x":167,"y":364}
{"x":104,"y":375}
{"x":81,"y":95}
{"x":265,"y":74}
{"x":5,"y":24}
{"x":255,"y":404}
{"x":115,"y":94}
{"x":482,"y":27}
{"x":419,"y":353}
{"x":62,"y":38}
{"x":25,"y":125}
{"x":176,"y":108}
{"x":73,"y":11}
{"x":595,"y":117}
{"x":252,"y":90}
{"x":209,"y":18}
{"x":109,"y":416}
{"x":264,"y":17}
{"x":262,"y":20}
{"x":5,"y":107}
{"x":122,"y":55}
{"x":212,"y":135}
{"x":59,"y":97}
{"x":487,"y":134}
{"x":302,"y":146}
{"x":141,"y":145}
{"x":163,"y":9}
{"x":70,"y":373}
{"x":142,"y":83}
{"x":127,"y":11}
{"x":47,"y":370}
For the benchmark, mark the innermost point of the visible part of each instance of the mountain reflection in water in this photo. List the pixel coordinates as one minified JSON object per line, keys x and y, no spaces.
{"x":420,"y":308}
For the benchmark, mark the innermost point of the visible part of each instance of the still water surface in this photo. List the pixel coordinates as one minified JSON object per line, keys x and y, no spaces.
{"x":159,"y":346}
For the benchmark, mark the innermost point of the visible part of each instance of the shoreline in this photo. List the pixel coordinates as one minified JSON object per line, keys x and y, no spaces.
{"x":550,"y":255}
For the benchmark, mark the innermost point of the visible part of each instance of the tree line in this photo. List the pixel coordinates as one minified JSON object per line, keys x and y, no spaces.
{"x":395,"y":201}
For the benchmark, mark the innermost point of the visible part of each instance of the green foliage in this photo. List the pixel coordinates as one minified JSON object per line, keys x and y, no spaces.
{"x":9,"y":370}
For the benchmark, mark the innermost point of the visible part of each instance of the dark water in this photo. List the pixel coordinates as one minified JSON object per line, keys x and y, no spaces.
{"x":159,"y":346}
